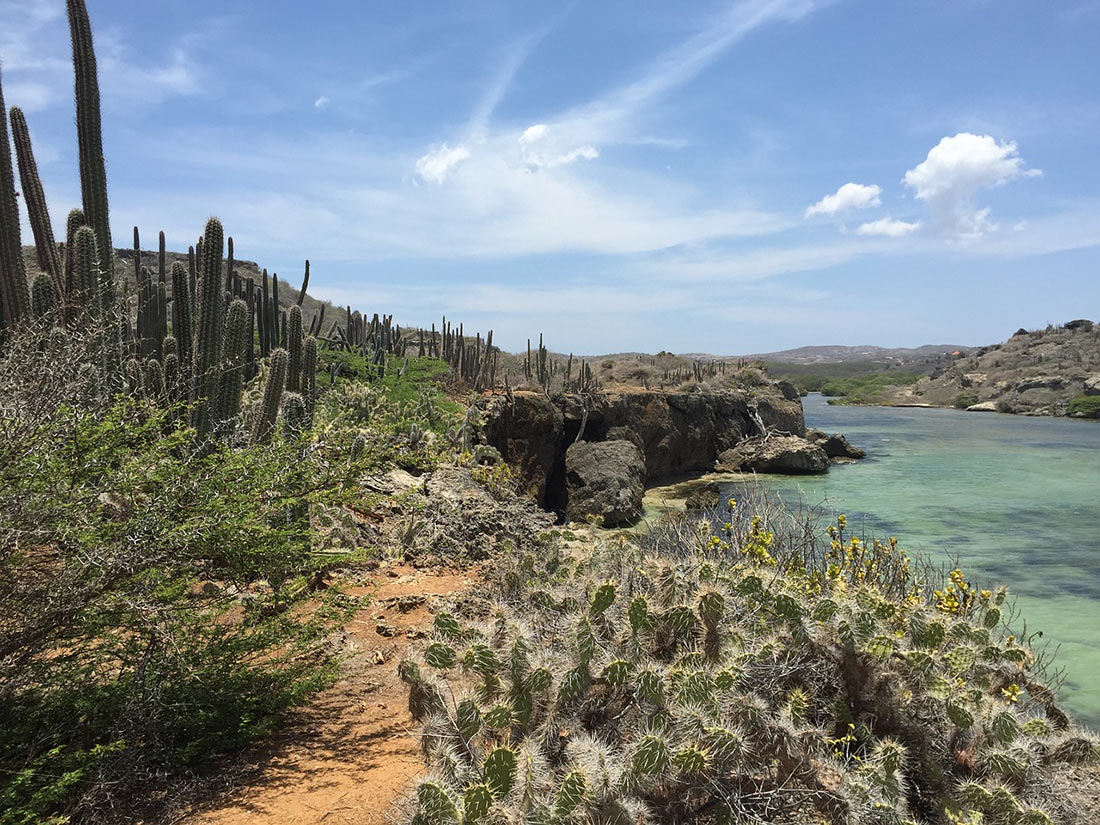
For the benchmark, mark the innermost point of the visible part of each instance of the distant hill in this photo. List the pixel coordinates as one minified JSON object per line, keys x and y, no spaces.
{"x":1051,"y":371}
{"x":836,"y":354}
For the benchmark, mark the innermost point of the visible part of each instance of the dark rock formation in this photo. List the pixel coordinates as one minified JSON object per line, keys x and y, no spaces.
{"x":675,"y":431}
{"x":777,"y":454}
{"x":605,"y":479}
{"x":835,"y":445}
{"x":528,"y":434}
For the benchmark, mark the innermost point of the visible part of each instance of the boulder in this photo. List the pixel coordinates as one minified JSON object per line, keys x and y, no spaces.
{"x":984,"y":406}
{"x":837,"y":446}
{"x":789,"y":390}
{"x":604,"y":479}
{"x":704,"y":497}
{"x":1092,"y":385}
{"x":816,"y":436}
{"x":778,"y":454}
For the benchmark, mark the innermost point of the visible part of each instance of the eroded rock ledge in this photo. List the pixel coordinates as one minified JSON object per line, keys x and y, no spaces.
{"x":675,"y":432}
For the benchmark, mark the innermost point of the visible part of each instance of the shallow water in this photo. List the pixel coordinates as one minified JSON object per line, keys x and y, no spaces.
{"x":1016,"y":500}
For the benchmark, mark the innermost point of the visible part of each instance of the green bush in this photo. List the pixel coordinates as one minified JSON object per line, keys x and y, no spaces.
{"x":1085,"y":406}
{"x":155,"y":603}
{"x":965,"y":399}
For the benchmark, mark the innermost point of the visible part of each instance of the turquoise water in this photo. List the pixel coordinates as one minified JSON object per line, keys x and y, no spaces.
{"x":1016,"y":500}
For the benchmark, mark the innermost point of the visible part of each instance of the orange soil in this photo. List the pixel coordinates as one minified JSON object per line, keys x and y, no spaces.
{"x":353,"y":751}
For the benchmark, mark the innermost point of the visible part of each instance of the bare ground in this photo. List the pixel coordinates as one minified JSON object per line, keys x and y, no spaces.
{"x":353,"y":751}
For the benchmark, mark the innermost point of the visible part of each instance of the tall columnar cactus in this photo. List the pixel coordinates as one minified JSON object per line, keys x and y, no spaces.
{"x":232,"y":372}
{"x":93,"y":168}
{"x":42,"y":295}
{"x":34,"y":197}
{"x":310,"y":357}
{"x":209,"y":338}
{"x":183,"y":313}
{"x":294,"y":347}
{"x":14,"y":293}
{"x":84,"y":256}
{"x":74,"y":221}
{"x":273,"y":391}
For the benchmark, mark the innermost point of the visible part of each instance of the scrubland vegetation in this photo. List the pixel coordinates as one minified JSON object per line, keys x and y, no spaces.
{"x":183,"y":464}
{"x":736,"y":669}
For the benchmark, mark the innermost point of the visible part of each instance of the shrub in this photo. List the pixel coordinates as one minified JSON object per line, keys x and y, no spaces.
{"x":156,"y":606}
{"x":1084,"y":406}
{"x":965,"y":399}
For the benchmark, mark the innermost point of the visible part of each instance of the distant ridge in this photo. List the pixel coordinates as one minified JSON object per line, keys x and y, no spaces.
{"x":836,"y":354}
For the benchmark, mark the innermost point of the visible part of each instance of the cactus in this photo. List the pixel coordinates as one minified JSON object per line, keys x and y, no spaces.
{"x":273,"y":391}
{"x":209,"y":338}
{"x":73,"y":222}
{"x":294,"y":416}
{"x":499,"y":771}
{"x":294,"y":340}
{"x":436,"y":805}
{"x":308,"y":382}
{"x":15,"y":301}
{"x":228,"y":403}
{"x":183,"y":313}
{"x":85,"y":263}
{"x":93,"y":171}
{"x":42,"y":296}
{"x":35,"y":199}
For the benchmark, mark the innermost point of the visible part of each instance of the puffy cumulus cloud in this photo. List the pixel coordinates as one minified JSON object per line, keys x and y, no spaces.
{"x":533,"y":134}
{"x":320,"y":103}
{"x":889,"y":227}
{"x":436,"y":165}
{"x":849,"y":196}
{"x":954,"y":171}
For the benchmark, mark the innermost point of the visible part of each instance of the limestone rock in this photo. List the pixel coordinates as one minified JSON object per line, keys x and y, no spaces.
{"x":837,"y":446}
{"x":779,"y":454}
{"x":984,"y":406}
{"x":604,"y":479}
{"x":526,"y":430}
{"x":1092,"y":385}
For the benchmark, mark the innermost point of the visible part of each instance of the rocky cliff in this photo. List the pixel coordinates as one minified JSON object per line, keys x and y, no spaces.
{"x":1052,"y":371}
{"x":675,"y":431}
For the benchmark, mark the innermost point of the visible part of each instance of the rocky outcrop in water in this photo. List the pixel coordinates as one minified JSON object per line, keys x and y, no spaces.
{"x":776,"y":454}
{"x":836,"y":446}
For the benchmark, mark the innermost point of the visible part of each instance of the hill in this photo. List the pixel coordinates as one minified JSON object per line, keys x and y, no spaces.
{"x":1050,"y":371}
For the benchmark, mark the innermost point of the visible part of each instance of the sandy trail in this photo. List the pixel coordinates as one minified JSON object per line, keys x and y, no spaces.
{"x":348,"y":755}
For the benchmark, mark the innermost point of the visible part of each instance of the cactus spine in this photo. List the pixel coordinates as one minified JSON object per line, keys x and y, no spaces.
{"x":93,"y":170}
{"x":14,"y":294}
{"x":35,"y":199}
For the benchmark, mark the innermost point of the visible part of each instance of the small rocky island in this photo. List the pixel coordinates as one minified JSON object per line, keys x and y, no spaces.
{"x":593,"y":455}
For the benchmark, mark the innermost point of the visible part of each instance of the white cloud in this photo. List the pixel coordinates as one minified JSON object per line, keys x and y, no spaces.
{"x":534,"y":133}
{"x":320,"y":103}
{"x":848,"y":196}
{"x":954,"y":171}
{"x":436,"y":165}
{"x":890,"y":227}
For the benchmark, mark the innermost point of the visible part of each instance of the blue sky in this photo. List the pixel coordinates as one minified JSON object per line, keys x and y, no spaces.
{"x":699,"y":177}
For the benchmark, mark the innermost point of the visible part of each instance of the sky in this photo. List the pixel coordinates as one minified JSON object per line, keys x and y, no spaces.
{"x":719,"y":177}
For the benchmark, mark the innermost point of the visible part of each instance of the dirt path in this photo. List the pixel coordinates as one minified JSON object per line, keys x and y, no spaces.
{"x":347,"y":756}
